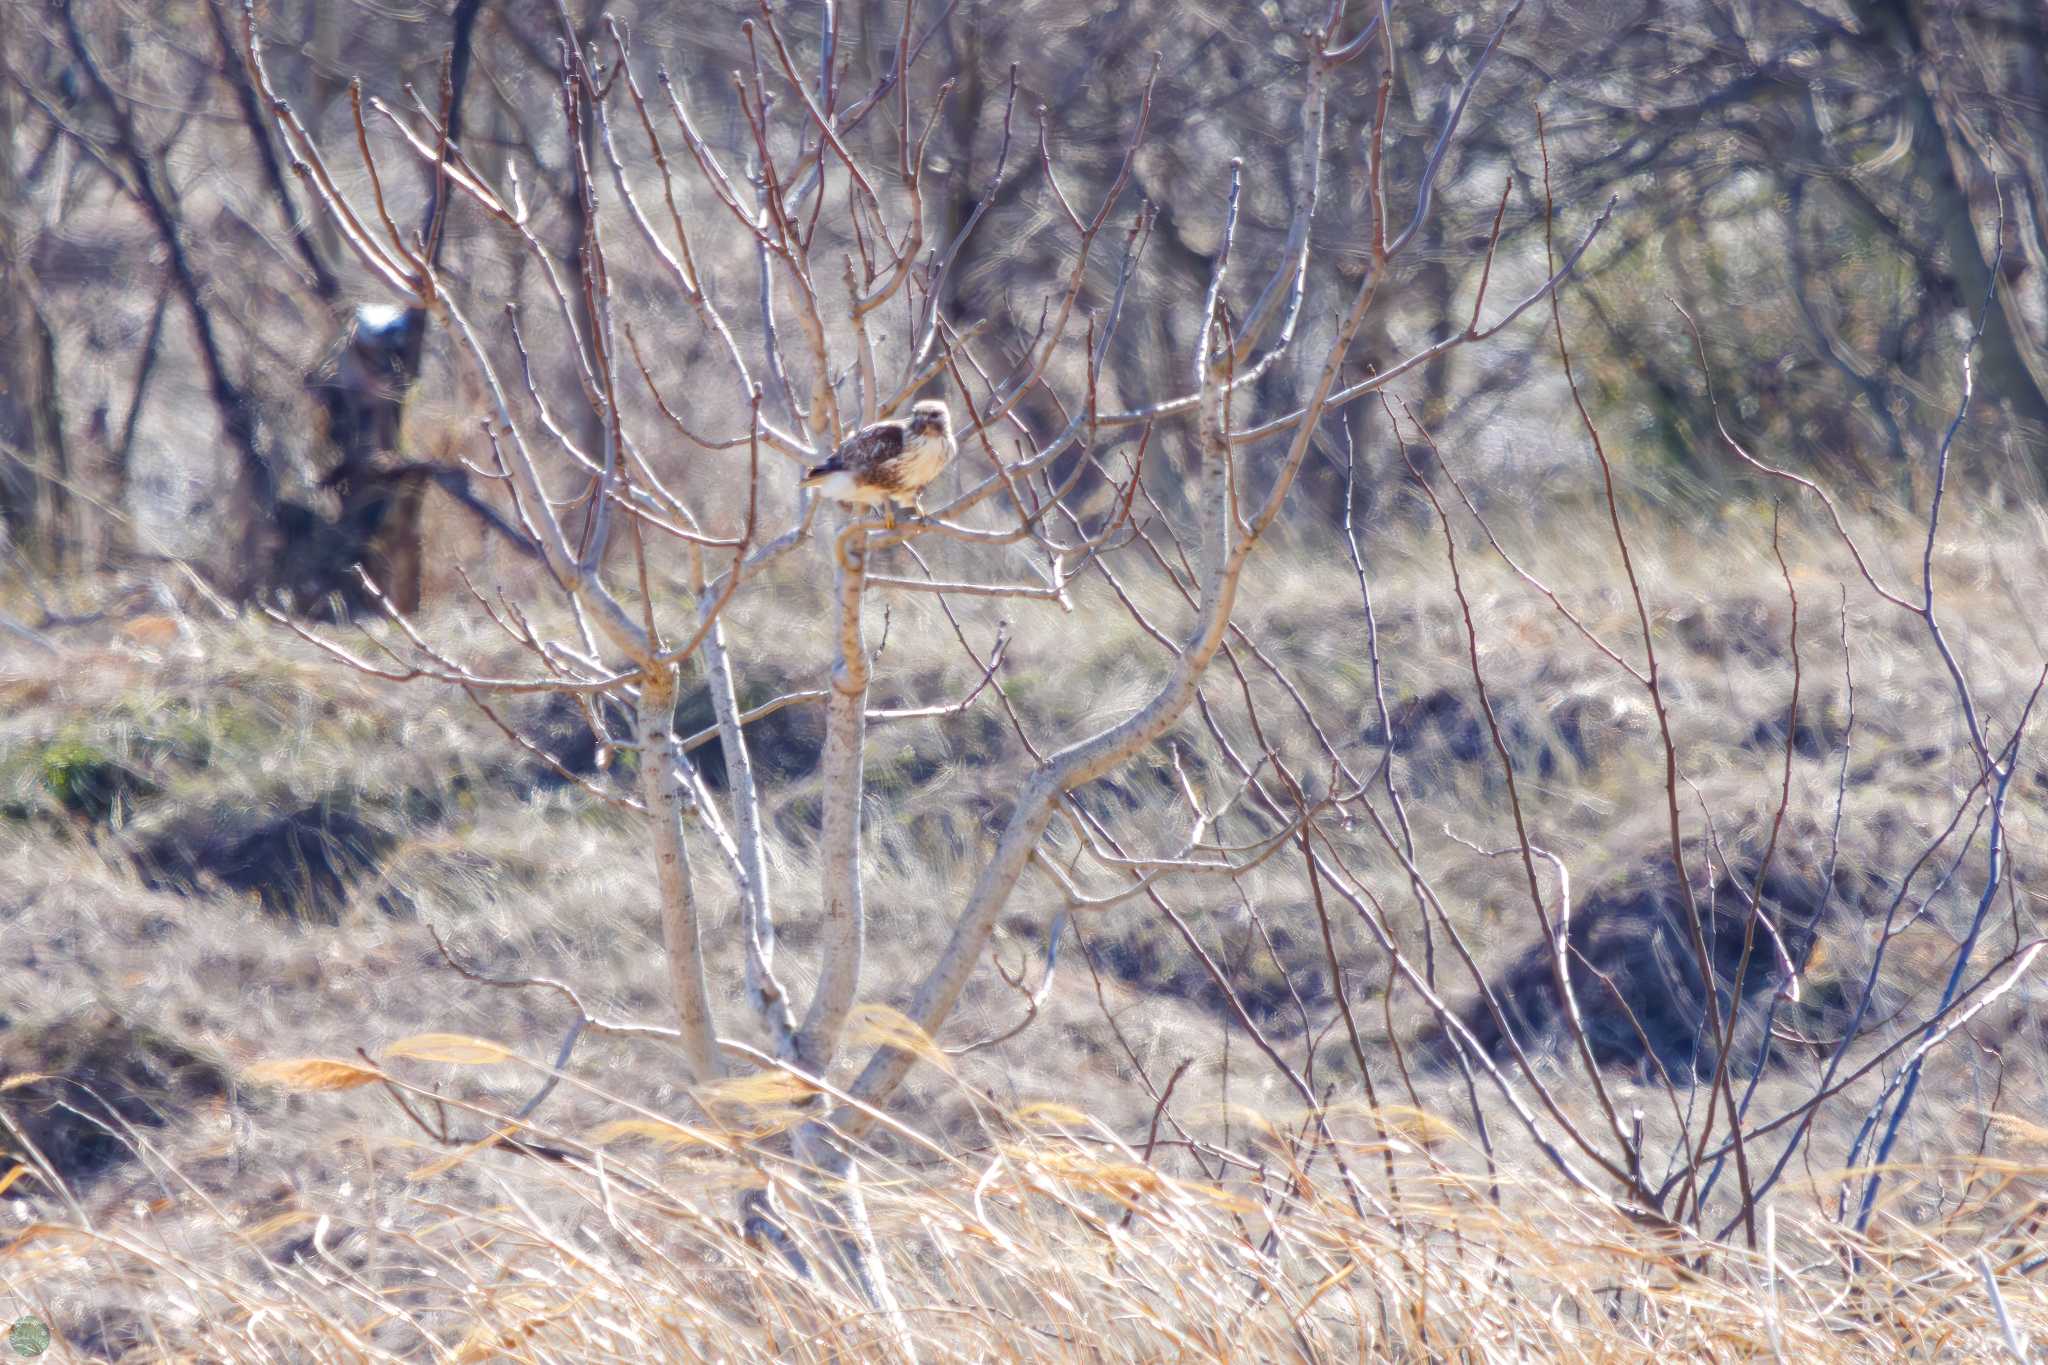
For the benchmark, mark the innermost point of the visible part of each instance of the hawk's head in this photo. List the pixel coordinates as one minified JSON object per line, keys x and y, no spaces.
{"x":929,"y":418}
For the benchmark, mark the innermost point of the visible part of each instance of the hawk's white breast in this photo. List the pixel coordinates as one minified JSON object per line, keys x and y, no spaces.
{"x":923,"y":459}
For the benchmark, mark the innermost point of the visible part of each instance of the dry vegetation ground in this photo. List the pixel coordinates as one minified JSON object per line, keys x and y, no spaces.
{"x":218,"y":850}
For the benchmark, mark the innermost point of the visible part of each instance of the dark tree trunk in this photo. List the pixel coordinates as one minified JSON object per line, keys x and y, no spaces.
{"x":2010,"y":368}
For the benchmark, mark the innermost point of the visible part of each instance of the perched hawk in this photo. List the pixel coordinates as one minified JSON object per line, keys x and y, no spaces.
{"x":888,"y":463}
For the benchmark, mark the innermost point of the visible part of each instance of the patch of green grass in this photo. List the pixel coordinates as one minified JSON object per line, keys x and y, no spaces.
{"x":75,"y":772}
{"x":85,"y":777}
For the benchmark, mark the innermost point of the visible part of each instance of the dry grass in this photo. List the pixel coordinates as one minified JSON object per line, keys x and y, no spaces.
{"x":1028,"y":1222}
{"x":1046,"y":1239}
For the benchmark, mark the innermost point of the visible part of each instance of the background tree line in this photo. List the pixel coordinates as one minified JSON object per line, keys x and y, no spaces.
{"x":1824,"y":187}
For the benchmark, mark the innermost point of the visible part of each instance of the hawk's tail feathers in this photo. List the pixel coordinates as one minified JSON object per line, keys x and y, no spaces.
{"x":818,"y":473}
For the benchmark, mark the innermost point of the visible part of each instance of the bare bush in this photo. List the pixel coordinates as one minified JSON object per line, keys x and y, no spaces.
{"x":844,"y":325}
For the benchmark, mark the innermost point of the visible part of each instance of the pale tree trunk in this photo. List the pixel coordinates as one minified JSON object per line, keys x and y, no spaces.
{"x":760,"y":1220}
{"x":841,"y":1210}
{"x":764,"y":991}
{"x":661,"y":787}
{"x":837,"y":1199}
{"x":844,"y":926}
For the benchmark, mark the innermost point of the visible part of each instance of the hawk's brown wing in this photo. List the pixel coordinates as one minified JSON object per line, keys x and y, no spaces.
{"x":869,"y":455}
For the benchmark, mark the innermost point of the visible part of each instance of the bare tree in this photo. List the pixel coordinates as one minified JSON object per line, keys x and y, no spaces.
{"x":829,"y":200}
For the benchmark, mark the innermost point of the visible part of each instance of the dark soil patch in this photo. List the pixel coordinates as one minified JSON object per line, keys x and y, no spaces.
{"x":1635,"y":971}
{"x":559,"y":729}
{"x":1816,"y":732}
{"x":90,"y":1075}
{"x":1448,"y":728}
{"x":785,"y":745}
{"x":303,"y":863}
{"x":1443,"y":718}
{"x":1148,"y":953}
{"x":1743,"y":628}
{"x":111,"y":1332}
